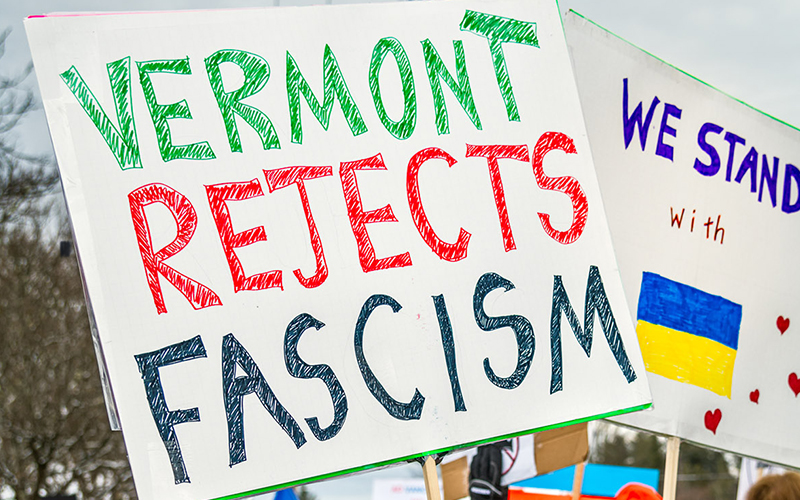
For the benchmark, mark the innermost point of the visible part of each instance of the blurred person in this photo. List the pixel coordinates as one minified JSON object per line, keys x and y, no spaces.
{"x":776,"y":487}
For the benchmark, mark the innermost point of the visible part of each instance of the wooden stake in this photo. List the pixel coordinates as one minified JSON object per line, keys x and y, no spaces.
{"x":671,"y":467}
{"x":431,"y":479}
{"x":577,"y":482}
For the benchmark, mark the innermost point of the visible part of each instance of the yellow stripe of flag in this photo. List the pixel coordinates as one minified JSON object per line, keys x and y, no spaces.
{"x":686,"y":358}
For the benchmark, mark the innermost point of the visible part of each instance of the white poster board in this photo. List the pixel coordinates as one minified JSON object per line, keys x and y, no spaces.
{"x":317,"y":240}
{"x":702,"y":194}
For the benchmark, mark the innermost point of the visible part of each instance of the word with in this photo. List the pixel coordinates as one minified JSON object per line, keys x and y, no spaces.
{"x":677,"y":220}
{"x":122,"y":139}
{"x":234,"y":354}
{"x":709,"y":144}
{"x":185,"y":215}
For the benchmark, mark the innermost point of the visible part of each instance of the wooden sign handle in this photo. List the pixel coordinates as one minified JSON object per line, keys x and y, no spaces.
{"x":671,"y":467}
{"x":577,"y":480}
{"x":431,"y":479}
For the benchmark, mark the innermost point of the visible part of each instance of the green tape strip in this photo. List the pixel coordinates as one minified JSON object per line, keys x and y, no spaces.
{"x":363,"y":468}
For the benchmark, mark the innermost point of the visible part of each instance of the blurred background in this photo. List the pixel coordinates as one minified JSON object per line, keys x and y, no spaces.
{"x":54,"y":432}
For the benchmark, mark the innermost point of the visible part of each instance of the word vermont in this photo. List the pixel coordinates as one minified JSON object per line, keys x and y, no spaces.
{"x":123,"y":140}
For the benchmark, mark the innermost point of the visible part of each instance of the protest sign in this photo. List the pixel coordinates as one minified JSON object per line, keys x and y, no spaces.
{"x":317,"y":240}
{"x":702,"y":193}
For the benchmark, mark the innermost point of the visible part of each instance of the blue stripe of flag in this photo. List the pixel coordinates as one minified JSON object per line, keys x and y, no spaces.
{"x":684,"y":308}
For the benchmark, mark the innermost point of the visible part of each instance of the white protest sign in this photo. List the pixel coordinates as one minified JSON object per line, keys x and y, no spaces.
{"x":702,"y":194}
{"x":321,"y":239}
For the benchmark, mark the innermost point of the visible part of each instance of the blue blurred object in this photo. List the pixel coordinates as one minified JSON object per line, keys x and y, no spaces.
{"x":598,"y":480}
{"x":287,"y":494}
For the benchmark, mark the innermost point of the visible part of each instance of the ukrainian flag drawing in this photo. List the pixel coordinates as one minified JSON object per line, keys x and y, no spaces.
{"x":687,"y":334}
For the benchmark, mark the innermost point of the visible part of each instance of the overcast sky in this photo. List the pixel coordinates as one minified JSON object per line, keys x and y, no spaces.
{"x":745,"y":48}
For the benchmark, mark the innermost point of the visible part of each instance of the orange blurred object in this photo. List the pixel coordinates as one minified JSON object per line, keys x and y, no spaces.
{"x":631,"y":491}
{"x":635,"y":491}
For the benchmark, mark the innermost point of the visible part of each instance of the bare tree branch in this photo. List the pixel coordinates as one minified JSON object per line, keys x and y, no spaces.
{"x":54,"y":432}
{"x":24,"y":178}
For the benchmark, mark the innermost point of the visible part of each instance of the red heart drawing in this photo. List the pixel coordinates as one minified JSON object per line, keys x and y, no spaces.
{"x":783,"y":324}
{"x":794,"y":383}
{"x":754,"y":396}
{"x":712,"y":420}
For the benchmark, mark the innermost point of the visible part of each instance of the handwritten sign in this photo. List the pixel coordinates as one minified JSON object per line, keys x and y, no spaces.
{"x":321,"y":239}
{"x":702,"y":194}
